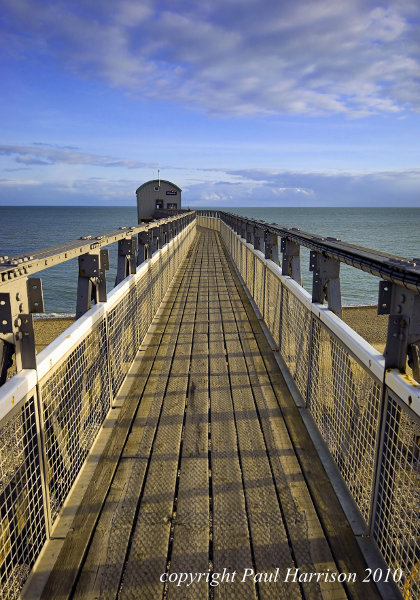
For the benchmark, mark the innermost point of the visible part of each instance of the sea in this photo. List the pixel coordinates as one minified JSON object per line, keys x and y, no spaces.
{"x":27,"y":228}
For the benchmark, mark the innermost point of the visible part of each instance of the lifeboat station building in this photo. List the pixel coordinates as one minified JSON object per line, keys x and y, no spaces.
{"x":157,"y":195}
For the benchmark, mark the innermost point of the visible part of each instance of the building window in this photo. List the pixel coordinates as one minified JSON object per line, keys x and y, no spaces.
{"x":159,"y":204}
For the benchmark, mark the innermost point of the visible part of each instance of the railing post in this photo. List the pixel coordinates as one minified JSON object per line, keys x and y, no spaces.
{"x":165,"y":233}
{"x":258,"y":235}
{"x":143,"y":241}
{"x":156,"y":239}
{"x":249,"y":233}
{"x":127,"y":258}
{"x":237,"y":225}
{"x":151,"y":242}
{"x":403,"y":338}
{"x":43,"y":460}
{"x":169,"y":231}
{"x":243,"y":229}
{"x":271,"y":247}
{"x":161,"y":234}
{"x":326,"y":281}
{"x":291,"y":259}
{"x":92,"y":280}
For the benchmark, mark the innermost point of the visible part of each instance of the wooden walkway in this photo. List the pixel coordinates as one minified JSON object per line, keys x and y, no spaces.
{"x":209,"y":468}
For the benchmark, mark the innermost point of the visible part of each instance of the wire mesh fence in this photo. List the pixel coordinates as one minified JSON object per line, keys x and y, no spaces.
{"x":23,"y":527}
{"x":344,"y":400}
{"x":75,"y":400}
{"x":123,"y":322}
{"x":294,"y":343}
{"x":69,"y":404}
{"x":396,"y":520}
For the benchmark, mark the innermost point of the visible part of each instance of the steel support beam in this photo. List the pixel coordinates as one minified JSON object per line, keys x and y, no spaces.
{"x":153,"y":240}
{"x":91,"y":285}
{"x":326,"y":281}
{"x":164,"y":233}
{"x":403,"y":337}
{"x":143,"y":244}
{"x":243,"y":229}
{"x":271,"y":247}
{"x":249,"y":233}
{"x":291,"y":260}
{"x":16,"y":326}
{"x":258,"y":235}
{"x":127,"y":258}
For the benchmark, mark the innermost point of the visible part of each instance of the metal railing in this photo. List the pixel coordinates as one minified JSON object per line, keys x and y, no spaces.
{"x":366,"y":408}
{"x":51,"y":412}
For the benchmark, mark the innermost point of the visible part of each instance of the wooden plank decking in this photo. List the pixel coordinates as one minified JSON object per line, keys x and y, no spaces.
{"x":210,"y":468}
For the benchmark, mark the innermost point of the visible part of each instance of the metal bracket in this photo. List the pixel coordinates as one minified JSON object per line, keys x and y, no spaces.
{"x":234,"y":224}
{"x":153,"y":240}
{"x":91,"y":284}
{"x":27,"y":341}
{"x":142,"y":246}
{"x":291,"y":259}
{"x":271,"y":247}
{"x":127,"y":258}
{"x":164,"y":234}
{"x":326,"y":281}
{"x":16,"y":325}
{"x":242,"y":226}
{"x":249,"y":233}
{"x":258,"y":238}
{"x":403,"y":337}
{"x":168,"y":231}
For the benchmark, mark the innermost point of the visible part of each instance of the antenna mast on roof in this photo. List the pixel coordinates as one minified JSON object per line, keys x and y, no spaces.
{"x":159,"y":177}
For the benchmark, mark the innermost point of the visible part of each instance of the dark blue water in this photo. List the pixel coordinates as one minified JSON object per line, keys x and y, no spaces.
{"x":393,"y":230}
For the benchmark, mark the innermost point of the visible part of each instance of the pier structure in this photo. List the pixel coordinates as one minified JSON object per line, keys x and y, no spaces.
{"x":209,"y":429}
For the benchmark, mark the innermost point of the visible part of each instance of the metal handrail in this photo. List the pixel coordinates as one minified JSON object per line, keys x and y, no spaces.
{"x":399,"y":287}
{"x":393,"y":268}
{"x":22,"y":265}
{"x":21,"y":295}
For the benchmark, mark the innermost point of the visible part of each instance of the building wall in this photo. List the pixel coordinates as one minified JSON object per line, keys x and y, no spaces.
{"x":153,"y":191}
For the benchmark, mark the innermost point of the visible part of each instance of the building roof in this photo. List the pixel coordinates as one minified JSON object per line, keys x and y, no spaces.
{"x":156,"y":181}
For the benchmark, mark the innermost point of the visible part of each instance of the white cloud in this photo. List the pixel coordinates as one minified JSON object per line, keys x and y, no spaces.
{"x":263,"y":187}
{"x":19,"y":182}
{"x":224,"y":57}
{"x":45,"y":154}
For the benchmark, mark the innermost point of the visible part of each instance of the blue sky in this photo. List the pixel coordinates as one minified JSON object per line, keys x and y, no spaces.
{"x":240,"y":102}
